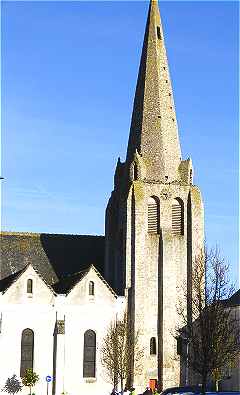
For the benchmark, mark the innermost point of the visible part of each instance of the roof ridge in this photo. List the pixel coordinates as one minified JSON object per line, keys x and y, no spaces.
{"x":9,"y":233}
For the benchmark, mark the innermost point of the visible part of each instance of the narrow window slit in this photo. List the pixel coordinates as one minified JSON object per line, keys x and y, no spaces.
{"x":29,"y":286}
{"x":153,"y":346}
{"x":158,"y":32}
{"x":91,"y":288}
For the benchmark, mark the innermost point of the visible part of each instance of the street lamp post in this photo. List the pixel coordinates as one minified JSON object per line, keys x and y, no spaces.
{"x":187,"y":364}
{"x":187,"y":341}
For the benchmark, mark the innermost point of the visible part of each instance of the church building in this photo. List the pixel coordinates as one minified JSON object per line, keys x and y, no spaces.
{"x":59,"y":293}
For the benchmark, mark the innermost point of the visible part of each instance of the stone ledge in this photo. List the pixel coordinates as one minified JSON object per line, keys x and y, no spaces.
{"x":90,"y":380}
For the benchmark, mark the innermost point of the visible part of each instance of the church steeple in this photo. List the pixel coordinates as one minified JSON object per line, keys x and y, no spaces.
{"x":154,"y":131}
{"x":154,"y":217}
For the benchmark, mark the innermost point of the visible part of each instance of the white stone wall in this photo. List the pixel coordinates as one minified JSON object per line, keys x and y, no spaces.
{"x":143,"y":272}
{"x":38,"y":313}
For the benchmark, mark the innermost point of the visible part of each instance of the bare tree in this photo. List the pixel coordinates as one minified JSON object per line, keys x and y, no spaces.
{"x":208,"y":326}
{"x":119,"y":349}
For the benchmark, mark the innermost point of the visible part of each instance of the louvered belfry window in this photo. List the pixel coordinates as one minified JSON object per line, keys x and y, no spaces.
{"x":153,"y":215}
{"x":27,"y":346}
{"x":89,"y":354}
{"x":177,"y":217}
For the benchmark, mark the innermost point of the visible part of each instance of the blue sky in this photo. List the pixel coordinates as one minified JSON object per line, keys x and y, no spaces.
{"x":69,"y":71}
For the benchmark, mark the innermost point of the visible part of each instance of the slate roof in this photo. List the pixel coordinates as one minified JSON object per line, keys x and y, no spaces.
{"x":6,"y":282}
{"x":63,"y":286}
{"x":234,"y":300}
{"x":53,"y":256}
{"x":67,"y":283}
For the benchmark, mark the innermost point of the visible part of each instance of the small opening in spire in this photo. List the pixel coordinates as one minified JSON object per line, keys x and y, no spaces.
{"x":164,"y":68}
{"x":191,"y":176}
{"x":159,"y":32}
{"x":135,"y":171}
{"x":166,"y":81}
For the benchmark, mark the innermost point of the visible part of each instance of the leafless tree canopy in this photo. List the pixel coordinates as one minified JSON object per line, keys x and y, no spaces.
{"x":211,"y":329}
{"x":120,"y":348}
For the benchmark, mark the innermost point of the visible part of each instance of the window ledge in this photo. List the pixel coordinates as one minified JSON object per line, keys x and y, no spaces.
{"x":90,"y":379}
{"x":91,"y":298}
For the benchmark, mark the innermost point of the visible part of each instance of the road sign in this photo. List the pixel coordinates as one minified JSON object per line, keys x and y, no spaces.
{"x":48,"y":379}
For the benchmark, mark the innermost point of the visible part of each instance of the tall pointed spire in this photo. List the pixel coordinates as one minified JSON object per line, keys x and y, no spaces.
{"x":154,"y":131}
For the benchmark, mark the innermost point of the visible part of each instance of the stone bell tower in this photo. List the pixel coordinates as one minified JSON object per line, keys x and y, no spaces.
{"x":154,"y":217}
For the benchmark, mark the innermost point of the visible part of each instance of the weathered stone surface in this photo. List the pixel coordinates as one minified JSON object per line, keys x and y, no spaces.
{"x":154,"y":131}
{"x":152,"y":268}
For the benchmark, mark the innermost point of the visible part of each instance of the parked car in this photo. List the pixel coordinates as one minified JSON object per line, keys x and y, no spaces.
{"x":196,"y":389}
{"x":224,"y":393}
{"x":190,"y":389}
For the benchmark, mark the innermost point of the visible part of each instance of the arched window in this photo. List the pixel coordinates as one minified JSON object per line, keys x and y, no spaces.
{"x":153,"y":215}
{"x":177,"y":217}
{"x":91,"y":288}
{"x":29,"y":286}
{"x":153,"y":347}
{"x":89,"y":354}
{"x":27,"y":350}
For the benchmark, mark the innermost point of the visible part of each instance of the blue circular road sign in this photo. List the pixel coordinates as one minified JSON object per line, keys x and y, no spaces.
{"x":48,"y":379}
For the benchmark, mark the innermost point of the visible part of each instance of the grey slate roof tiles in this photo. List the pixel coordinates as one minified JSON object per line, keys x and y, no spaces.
{"x":53,"y":256}
{"x":65,"y":285}
{"x":234,"y":300}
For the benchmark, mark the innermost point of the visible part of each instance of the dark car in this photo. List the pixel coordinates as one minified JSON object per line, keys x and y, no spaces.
{"x":196,"y":389}
{"x":191,"y":389}
{"x":223,"y":393}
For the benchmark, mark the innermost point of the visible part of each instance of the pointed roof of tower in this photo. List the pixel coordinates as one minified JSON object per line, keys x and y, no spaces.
{"x":154,"y":131}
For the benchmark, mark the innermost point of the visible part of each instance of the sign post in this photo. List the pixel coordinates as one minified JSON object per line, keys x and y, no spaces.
{"x":48,"y":380}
